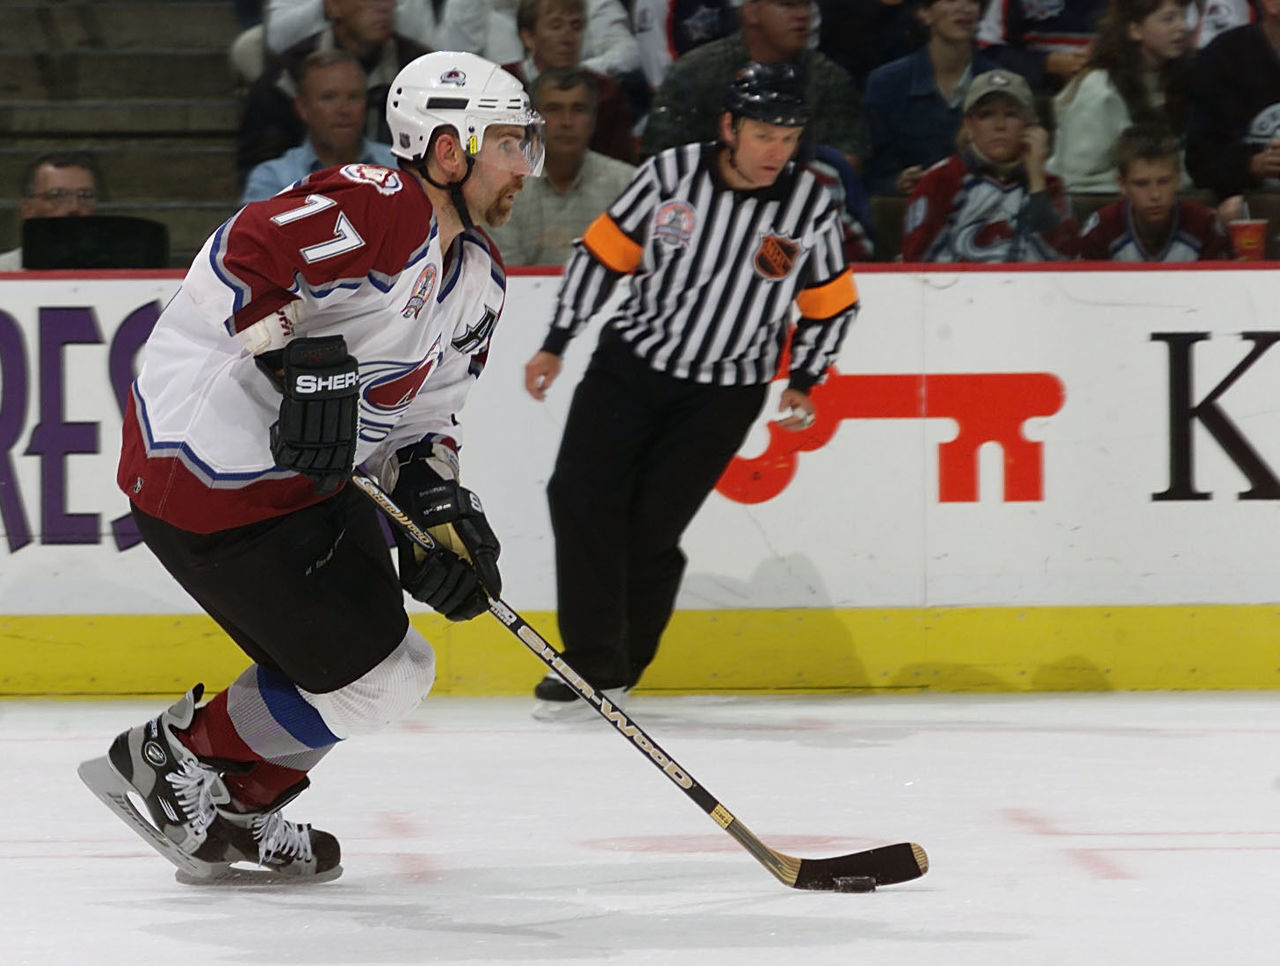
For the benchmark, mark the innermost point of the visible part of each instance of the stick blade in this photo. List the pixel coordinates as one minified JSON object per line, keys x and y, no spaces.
{"x":887,"y":865}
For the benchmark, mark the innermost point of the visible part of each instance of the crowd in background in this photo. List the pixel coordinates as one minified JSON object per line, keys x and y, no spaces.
{"x":1155,"y":119}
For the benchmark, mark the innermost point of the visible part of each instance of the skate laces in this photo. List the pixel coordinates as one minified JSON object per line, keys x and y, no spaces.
{"x":275,"y":836}
{"x":194,"y":786}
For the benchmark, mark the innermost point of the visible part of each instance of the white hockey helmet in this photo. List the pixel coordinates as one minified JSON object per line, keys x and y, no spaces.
{"x":469,"y":94}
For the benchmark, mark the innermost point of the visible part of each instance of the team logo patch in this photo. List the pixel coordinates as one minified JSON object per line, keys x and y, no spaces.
{"x":477,"y":335}
{"x":392,"y":386}
{"x":1264,"y":126}
{"x":422,"y":290}
{"x":673,"y":224}
{"x":384,"y":179}
{"x":455,"y":77}
{"x":775,"y":257}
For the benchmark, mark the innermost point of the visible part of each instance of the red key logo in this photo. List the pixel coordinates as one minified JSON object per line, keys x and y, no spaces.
{"x":988,"y":407}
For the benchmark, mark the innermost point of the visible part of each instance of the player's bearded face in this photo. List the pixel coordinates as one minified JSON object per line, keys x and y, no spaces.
{"x":491,"y":193}
{"x":500,"y":169}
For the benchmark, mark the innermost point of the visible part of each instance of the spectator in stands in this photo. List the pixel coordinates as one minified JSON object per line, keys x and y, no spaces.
{"x":488,"y":27}
{"x":1233,"y":127}
{"x":992,"y":201}
{"x":290,"y":21}
{"x":690,"y":101}
{"x":667,"y":29}
{"x":551,"y":31}
{"x":58,"y":185}
{"x":1138,"y":71}
{"x":845,"y":186}
{"x":860,"y":35}
{"x":362,"y":27}
{"x":913,"y":103}
{"x":1213,"y":17}
{"x":331,"y":103}
{"x":1150,"y":223}
{"x":1047,"y":43}
{"x":577,"y":183}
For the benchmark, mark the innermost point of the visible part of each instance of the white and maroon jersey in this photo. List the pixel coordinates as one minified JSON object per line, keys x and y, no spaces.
{"x":1195,"y":234}
{"x":959,"y":213}
{"x":351,"y":251}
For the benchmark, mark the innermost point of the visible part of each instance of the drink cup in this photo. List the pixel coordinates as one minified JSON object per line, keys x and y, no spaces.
{"x":1249,"y":238}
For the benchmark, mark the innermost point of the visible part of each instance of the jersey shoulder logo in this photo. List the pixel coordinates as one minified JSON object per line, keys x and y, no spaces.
{"x":474,"y":336}
{"x":384,"y":179}
{"x":775,"y":257}
{"x":674,"y":222}
{"x":422,"y":290}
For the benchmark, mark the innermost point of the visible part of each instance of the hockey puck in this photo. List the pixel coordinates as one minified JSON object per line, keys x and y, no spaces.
{"x":854,"y":883}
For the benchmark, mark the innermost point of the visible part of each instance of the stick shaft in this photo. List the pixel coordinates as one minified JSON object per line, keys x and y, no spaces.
{"x":886,"y":864}
{"x":622,"y":723}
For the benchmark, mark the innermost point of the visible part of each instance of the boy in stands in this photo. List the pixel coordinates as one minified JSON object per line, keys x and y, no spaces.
{"x":1150,"y":223}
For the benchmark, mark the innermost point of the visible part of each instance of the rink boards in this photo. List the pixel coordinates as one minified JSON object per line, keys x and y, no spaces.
{"x":1018,"y":480}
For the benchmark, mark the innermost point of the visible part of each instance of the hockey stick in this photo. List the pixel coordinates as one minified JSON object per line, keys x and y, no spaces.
{"x":855,"y":872}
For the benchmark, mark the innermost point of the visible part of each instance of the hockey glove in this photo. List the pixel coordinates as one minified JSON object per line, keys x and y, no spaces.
{"x":460,"y":575}
{"x":319,"y":415}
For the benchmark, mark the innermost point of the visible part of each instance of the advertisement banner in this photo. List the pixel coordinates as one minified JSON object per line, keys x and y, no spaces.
{"x":988,"y":438}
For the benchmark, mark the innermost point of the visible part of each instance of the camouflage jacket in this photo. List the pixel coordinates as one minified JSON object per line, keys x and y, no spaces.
{"x":691,"y":99}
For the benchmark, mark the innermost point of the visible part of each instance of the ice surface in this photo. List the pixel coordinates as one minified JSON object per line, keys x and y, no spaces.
{"x":1110,"y":828}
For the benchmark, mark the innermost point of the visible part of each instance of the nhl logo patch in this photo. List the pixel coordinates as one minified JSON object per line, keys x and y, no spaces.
{"x":775,"y":257}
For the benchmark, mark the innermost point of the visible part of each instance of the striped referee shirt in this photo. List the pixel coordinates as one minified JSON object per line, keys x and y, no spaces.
{"x":714,"y":273}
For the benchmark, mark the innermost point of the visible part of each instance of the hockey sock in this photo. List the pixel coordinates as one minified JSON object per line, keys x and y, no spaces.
{"x":212,"y":734}
{"x":262,"y":785}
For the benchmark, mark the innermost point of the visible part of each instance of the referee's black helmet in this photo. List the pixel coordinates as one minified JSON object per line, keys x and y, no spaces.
{"x":772,"y":93}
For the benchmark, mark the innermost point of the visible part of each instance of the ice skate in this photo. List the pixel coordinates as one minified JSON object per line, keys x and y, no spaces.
{"x":187,"y":813}
{"x":262,"y":846}
{"x":559,"y":702}
{"x":179,"y":792}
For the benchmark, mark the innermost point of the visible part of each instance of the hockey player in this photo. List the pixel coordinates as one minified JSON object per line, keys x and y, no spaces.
{"x":720,"y":241}
{"x":340,"y":322}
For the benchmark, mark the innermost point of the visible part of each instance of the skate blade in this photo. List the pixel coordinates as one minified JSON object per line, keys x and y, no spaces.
{"x":233,"y":876}
{"x":113,"y":791}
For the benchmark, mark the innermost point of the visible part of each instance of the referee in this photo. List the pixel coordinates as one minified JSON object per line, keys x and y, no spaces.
{"x":720,"y":240}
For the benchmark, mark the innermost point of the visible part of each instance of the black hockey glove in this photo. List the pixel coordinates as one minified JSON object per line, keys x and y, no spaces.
{"x":459,"y":576}
{"x":319,"y":415}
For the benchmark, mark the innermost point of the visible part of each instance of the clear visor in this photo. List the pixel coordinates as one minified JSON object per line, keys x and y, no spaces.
{"x":516,"y":147}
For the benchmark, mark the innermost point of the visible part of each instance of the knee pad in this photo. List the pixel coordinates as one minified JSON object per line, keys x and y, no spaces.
{"x":385,"y":694}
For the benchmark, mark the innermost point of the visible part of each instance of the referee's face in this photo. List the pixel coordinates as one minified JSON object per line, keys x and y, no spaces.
{"x":756,"y":152}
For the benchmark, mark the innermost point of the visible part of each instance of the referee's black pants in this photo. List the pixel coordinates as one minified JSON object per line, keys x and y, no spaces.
{"x":640,"y":452}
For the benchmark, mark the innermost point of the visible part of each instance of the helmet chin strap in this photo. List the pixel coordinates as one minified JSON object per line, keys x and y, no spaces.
{"x":454,"y":188}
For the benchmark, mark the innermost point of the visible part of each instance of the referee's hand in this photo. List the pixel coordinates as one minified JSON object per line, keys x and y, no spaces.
{"x":799,"y":410}
{"x":540,"y":372}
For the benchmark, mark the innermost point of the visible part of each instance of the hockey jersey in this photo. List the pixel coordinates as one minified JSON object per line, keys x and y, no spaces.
{"x":1020,"y":33}
{"x":1195,"y":234}
{"x":961,"y":212}
{"x":351,"y":251}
